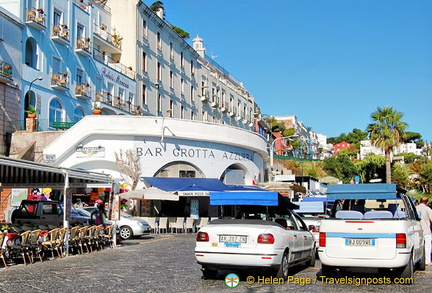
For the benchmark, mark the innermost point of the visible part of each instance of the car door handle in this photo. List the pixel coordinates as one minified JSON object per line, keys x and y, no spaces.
{"x":295,"y":236}
{"x":305,"y":237}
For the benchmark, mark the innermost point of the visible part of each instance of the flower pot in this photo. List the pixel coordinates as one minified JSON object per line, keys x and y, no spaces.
{"x":31,"y":115}
{"x":97,"y":111}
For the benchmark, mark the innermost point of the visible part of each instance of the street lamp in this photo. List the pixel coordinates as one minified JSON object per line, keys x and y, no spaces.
{"x":31,"y":83}
{"x":273,"y":143}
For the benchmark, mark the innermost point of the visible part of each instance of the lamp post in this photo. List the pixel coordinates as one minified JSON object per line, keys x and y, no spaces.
{"x":31,"y":83}
{"x":273,"y":144}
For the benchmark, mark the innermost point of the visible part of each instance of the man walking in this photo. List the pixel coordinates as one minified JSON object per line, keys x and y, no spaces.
{"x":425,"y":213}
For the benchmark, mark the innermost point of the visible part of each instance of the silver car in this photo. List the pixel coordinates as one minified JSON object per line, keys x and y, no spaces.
{"x":129,"y":226}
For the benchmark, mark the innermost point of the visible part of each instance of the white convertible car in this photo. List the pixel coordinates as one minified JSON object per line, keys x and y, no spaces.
{"x":254,"y":244}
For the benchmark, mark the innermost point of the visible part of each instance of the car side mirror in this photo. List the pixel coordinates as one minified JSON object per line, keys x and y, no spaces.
{"x":312,"y":228}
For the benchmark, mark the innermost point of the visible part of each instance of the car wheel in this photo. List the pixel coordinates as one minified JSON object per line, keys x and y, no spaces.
{"x":283,"y":268}
{"x":422,"y":264}
{"x":312,"y":258}
{"x":327,"y":271}
{"x":208,"y":274}
{"x":408,"y":270}
{"x":126,"y":232}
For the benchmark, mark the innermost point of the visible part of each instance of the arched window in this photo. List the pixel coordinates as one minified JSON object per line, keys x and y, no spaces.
{"x":78,"y":114}
{"x":55,"y":111}
{"x":31,"y":53}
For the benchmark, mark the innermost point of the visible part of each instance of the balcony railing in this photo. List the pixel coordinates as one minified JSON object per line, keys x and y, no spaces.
{"x":83,"y":46}
{"x":36,"y":19}
{"x":60,"y":34}
{"x":101,"y":32}
{"x":59,"y":82}
{"x":83,"y":91}
{"x":5,"y":70}
{"x":101,"y":56}
{"x":117,"y":102}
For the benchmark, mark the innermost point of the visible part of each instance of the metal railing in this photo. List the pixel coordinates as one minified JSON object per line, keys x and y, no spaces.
{"x":5,"y":69}
{"x":114,"y":63}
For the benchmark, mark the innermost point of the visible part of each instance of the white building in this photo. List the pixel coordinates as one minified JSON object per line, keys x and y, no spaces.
{"x":366,"y":148}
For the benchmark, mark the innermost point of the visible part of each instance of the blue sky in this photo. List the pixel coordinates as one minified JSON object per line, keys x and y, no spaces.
{"x":329,"y":62}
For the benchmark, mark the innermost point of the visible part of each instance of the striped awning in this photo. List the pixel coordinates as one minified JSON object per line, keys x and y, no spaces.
{"x":22,"y":173}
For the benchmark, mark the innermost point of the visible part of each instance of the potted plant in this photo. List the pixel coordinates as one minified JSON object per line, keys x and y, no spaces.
{"x":97,"y":111}
{"x":40,"y":10}
{"x":64,"y":26}
{"x":130,"y":67}
{"x":7,"y":66}
{"x":87,"y":39}
{"x":64,"y":74}
{"x":31,"y":111}
{"x":102,"y":52}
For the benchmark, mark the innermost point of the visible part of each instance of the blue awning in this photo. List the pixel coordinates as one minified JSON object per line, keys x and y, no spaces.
{"x":261,"y":198}
{"x":363,"y":191}
{"x":186,"y":184}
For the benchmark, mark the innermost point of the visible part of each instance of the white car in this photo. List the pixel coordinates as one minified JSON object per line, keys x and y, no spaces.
{"x":129,"y":226}
{"x":383,"y":234}
{"x":254,"y":244}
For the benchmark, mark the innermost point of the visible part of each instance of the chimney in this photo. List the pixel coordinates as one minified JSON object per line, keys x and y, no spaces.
{"x":197,"y":44}
{"x":160,"y":12}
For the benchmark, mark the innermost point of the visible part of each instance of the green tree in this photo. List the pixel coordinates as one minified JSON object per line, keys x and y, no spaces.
{"x":340,"y":167}
{"x":183,"y":34}
{"x":371,"y":167}
{"x":400,"y":175}
{"x":387,"y":132}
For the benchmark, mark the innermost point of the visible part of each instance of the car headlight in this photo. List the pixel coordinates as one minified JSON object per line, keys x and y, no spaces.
{"x":143,"y":224}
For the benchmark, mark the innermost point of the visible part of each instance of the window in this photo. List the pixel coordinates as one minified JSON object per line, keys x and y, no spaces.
{"x":144,"y":29}
{"x":171,"y":110}
{"x":159,"y":71}
{"x":159,"y":103}
{"x":192,"y":115}
{"x":171,"y":79}
{"x":192,"y":93}
{"x":31,"y":55}
{"x":159,"y":41}
{"x":121,"y":94}
{"x":80,"y":31}
{"x":144,"y":94}
{"x":144,"y":61}
{"x":192,"y":68}
{"x":181,"y":60}
{"x":182,"y":86}
{"x":182,"y":112}
{"x":171,"y":51}
{"x":78,"y":114}
{"x":79,"y":76}
{"x":56,"y":65}
{"x":188,"y":174}
{"x":57,"y":18}
{"x":55,"y":111}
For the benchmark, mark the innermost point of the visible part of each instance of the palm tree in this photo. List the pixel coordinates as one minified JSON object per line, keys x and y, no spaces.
{"x":387,"y":132}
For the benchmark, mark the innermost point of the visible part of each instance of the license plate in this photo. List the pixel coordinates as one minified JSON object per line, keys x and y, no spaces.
{"x":232,"y":239}
{"x":359,"y":242}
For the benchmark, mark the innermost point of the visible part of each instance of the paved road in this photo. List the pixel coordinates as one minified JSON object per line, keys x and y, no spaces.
{"x":160,"y":263}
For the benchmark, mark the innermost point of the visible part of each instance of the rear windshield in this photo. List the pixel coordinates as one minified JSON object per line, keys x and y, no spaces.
{"x":373,"y":209}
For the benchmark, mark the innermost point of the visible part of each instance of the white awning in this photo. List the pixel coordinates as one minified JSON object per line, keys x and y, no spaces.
{"x":150,"y":193}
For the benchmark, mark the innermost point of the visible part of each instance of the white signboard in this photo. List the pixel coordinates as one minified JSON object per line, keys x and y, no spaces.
{"x":17,"y":196}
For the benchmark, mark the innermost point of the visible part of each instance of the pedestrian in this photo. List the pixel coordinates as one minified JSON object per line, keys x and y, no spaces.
{"x":425,"y":214}
{"x":79,"y":204}
{"x":99,"y":214}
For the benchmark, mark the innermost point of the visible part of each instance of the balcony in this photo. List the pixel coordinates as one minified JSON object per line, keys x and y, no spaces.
{"x":83,"y":91}
{"x":59,"y":82}
{"x":110,"y":43}
{"x":224,"y":107}
{"x":116,"y":103}
{"x":36,"y":19}
{"x":5,"y":72}
{"x":60,"y":34}
{"x":115,"y":64}
{"x":83,"y":47}
{"x":205,"y":96}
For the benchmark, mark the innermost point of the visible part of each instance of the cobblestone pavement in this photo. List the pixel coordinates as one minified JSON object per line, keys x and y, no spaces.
{"x":159,"y":263}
